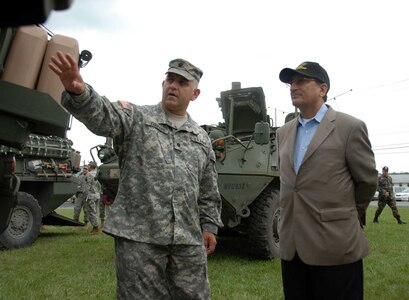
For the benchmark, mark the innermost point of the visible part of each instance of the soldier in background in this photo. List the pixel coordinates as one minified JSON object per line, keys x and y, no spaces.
{"x":385,"y":196}
{"x":79,"y":198}
{"x":93,"y":194}
{"x":102,"y":212}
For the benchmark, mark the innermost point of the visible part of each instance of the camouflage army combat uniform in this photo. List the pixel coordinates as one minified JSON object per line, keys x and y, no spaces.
{"x":101,"y":211}
{"x":167,"y":196}
{"x":93,"y":193}
{"x":385,"y":185}
{"x":80,"y":200}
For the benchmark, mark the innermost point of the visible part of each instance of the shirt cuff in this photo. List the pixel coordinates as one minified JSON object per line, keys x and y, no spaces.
{"x":79,"y":98}
{"x":209,"y":227}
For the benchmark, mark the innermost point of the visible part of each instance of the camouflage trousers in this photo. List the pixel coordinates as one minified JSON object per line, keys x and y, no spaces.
{"x":78,"y":205}
{"x":101,"y":208}
{"x":148,"y":271}
{"x":382,"y":202}
{"x":91,"y":207}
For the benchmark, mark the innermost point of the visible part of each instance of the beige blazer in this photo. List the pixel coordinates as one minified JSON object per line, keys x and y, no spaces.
{"x":335,"y":183}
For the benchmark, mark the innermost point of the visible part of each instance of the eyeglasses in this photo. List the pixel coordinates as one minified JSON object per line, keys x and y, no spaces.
{"x":300,"y":80}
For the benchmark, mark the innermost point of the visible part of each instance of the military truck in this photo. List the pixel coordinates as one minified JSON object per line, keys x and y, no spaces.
{"x":14,"y":15}
{"x":37,"y":161}
{"x":247,"y":166}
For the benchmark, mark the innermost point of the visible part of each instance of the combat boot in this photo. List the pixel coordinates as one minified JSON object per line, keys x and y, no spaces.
{"x":86,"y":225}
{"x":375,"y":220}
{"x":95,"y":230}
{"x":400,"y":221}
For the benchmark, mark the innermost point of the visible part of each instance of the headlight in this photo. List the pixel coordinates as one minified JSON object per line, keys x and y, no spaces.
{"x":101,"y":154}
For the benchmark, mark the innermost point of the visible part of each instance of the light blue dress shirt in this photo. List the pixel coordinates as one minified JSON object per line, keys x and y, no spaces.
{"x":305,"y":131}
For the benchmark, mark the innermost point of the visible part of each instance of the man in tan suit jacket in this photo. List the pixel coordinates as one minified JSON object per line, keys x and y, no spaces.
{"x":328,"y":177}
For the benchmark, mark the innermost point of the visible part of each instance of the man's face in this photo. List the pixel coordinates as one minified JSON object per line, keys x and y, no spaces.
{"x":305,"y":91}
{"x":177,"y":92}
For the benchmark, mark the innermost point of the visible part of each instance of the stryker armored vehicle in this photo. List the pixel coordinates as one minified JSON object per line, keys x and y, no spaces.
{"x":37,"y":161}
{"x":247,"y":166}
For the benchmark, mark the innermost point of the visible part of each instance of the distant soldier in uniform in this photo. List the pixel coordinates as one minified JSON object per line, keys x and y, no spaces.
{"x":79,"y":202}
{"x":93,"y":194}
{"x":102,"y":212}
{"x":167,"y":211}
{"x":385,"y":196}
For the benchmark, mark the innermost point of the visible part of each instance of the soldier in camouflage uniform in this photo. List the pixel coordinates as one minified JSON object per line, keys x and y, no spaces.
{"x":385,"y":196}
{"x":80,"y":198}
{"x":102,"y":212}
{"x":93,"y":194}
{"x":167,"y":211}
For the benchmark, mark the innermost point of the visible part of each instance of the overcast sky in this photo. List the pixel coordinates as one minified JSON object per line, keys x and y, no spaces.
{"x":363,"y":45}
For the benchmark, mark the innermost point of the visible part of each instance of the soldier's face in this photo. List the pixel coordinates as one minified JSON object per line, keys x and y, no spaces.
{"x":177,"y":92}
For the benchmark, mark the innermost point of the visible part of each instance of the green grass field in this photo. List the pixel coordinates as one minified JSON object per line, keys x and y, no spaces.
{"x":69,"y":263}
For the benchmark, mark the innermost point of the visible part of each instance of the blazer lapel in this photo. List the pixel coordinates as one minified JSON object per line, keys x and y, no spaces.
{"x":292,"y":132}
{"x":323,"y":130}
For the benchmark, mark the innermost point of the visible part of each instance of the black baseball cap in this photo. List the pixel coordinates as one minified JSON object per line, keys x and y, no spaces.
{"x":307,"y":68}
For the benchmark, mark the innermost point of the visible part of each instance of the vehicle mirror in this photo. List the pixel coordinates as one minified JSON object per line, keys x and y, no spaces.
{"x":261,"y":133}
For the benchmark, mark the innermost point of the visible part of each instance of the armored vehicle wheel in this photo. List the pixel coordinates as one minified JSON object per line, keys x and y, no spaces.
{"x":25,"y":223}
{"x":263,"y":230}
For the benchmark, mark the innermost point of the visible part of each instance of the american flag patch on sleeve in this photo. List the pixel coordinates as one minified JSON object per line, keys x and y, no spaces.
{"x":125,"y":104}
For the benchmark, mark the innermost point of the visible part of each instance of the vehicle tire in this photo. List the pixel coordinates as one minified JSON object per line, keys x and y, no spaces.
{"x":263,"y":229}
{"x":25,"y":223}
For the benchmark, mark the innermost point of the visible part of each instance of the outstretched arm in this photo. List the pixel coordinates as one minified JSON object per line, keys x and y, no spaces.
{"x":66,"y":68}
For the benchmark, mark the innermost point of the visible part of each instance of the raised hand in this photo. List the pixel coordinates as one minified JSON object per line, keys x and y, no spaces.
{"x":66,"y":68}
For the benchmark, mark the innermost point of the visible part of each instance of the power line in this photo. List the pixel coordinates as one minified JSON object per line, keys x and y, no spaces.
{"x":391,"y":146}
{"x":388,"y":153}
{"x":390,"y":132}
{"x":278,"y":110}
{"x":339,"y":95}
{"x":384,"y":85}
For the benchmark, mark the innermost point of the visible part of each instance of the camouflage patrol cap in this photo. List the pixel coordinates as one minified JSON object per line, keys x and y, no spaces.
{"x":307,"y":68}
{"x":92,"y":164}
{"x":385,"y":168}
{"x":185,"y":69}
